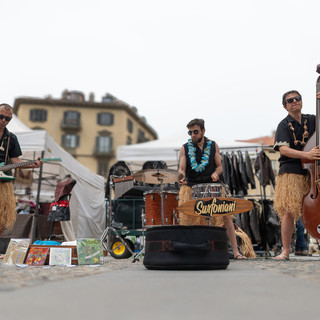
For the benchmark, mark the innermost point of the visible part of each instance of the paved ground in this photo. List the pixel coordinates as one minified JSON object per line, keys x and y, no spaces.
{"x":13,"y":277}
{"x":254,"y":289}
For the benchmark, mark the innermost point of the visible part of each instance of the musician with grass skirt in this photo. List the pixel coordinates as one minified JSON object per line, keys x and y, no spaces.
{"x":200,"y":162}
{"x":292,"y":181}
{"x":10,"y":152}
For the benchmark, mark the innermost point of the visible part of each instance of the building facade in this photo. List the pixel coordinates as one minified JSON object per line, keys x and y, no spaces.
{"x":90,"y":131}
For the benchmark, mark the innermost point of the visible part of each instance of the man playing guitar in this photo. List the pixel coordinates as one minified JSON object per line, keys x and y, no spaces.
{"x":10,"y":152}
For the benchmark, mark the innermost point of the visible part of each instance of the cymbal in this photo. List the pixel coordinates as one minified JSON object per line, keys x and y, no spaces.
{"x":157,"y":176}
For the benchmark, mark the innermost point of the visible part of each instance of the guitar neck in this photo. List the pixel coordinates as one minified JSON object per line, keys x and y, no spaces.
{"x":17,"y":165}
{"x":6,"y":167}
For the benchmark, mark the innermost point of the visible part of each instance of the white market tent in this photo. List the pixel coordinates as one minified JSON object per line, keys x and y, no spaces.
{"x":167,"y":149}
{"x":87,"y":203}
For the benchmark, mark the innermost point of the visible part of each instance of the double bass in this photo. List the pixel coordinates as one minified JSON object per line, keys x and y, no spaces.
{"x":311,"y":201}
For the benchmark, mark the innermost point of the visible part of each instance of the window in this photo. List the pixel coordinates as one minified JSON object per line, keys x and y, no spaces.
{"x":70,"y":140}
{"x":141,"y":136}
{"x":105,"y":119}
{"x":38,"y":115}
{"x":103,"y":167}
{"x":129,"y":125}
{"x":129,"y":140}
{"x":108,"y":98}
{"x":71,"y":118}
{"x":104,"y":144}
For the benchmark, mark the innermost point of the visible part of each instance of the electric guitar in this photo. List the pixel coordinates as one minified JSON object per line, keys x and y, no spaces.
{"x":5,"y":167}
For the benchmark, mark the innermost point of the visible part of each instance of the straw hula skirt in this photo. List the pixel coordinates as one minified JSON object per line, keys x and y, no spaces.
{"x":7,"y":206}
{"x":289,"y":192}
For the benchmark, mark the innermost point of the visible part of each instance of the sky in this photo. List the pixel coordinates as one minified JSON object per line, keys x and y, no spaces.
{"x":228,"y":62}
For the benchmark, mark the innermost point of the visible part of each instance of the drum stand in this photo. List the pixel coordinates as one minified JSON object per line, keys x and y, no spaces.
{"x":109,"y":230}
{"x":174,"y":217}
{"x":136,"y":256}
{"x":143,"y":218}
{"x":161,"y":201}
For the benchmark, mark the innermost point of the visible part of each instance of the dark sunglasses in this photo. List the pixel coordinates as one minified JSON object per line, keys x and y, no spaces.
{"x":194,"y":131}
{"x":290,"y":100}
{"x":5,"y":117}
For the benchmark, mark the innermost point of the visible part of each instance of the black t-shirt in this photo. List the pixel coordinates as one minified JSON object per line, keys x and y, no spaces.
{"x":284,"y":137}
{"x":14,"y":150}
{"x":194,"y":177}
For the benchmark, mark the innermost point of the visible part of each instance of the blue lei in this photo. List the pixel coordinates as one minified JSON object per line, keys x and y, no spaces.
{"x":192,"y":156}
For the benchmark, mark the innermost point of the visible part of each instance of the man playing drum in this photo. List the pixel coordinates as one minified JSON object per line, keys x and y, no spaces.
{"x":200,"y":162}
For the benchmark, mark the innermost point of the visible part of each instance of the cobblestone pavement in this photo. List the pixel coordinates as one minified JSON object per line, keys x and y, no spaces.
{"x":307,"y":268}
{"x":14,"y":277}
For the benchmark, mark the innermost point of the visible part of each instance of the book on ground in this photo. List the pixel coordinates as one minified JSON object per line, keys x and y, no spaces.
{"x":37,"y":256}
{"x":16,"y":251}
{"x":60,"y":256}
{"x":89,"y":251}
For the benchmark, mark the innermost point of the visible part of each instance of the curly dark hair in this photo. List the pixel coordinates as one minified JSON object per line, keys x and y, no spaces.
{"x":196,"y":122}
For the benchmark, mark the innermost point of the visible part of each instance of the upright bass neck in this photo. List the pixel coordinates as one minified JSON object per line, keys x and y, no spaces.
{"x":314,"y":140}
{"x":318,"y":111}
{"x":311,"y":201}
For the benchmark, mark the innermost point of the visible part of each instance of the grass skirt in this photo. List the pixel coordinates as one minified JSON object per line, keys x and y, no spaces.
{"x":7,"y":207}
{"x":245,"y":243}
{"x":289,"y":192}
{"x":185,"y":194}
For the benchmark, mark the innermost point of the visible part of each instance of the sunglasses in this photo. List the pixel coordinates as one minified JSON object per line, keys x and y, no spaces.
{"x":290,"y":100}
{"x":193,"y":131}
{"x":5,"y":117}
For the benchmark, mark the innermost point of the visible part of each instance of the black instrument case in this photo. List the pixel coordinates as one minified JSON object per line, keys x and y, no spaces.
{"x":186,"y":248}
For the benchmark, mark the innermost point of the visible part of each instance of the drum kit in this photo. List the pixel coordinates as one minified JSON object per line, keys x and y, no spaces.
{"x":166,"y":201}
{"x":161,"y":206}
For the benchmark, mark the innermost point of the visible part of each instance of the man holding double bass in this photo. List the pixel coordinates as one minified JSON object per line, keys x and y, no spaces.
{"x":292,"y":182}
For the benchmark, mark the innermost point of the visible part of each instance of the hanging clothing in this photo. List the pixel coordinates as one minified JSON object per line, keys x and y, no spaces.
{"x":242,"y":171}
{"x":237,"y":186}
{"x":255,"y":216}
{"x":232,"y":174}
{"x":264,"y":169}
{"x":226,"y":170}
{"x":249,"y":170}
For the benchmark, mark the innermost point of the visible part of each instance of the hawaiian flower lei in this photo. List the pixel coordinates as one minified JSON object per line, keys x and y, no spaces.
{"x":192,"y":156}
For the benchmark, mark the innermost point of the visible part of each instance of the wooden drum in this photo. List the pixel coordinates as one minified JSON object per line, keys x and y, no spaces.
{"x":153,"y":216}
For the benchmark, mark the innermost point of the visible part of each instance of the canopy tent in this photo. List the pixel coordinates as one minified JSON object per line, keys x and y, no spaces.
{"x":167,"y":149}
{"x":87,"y":204}
{"x":16,"y":125}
